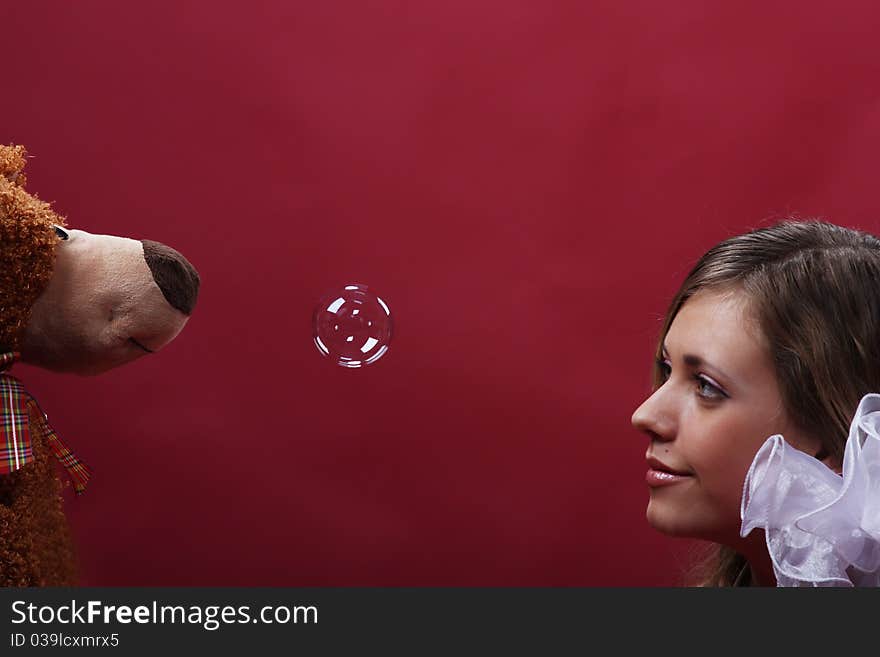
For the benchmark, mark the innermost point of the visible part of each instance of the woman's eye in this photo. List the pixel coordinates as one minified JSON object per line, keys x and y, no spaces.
{"x":708,"y":390}
{"x":705,"y":388}
{"x":665,"y":369}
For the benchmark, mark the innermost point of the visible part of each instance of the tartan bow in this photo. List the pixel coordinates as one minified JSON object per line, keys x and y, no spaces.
{"x":17,"y":408}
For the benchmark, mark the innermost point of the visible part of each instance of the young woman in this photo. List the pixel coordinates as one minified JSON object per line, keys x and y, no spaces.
{"x":774,"y":333}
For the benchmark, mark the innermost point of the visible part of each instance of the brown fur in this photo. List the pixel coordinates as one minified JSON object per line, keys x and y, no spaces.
{"x":36,"y":548}
{"x":35,"y":543}
{"x":27,"y":247}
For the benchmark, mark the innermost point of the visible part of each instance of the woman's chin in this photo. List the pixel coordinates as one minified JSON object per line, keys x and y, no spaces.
{"x":669,"y":521}
{"x":683,"y":524}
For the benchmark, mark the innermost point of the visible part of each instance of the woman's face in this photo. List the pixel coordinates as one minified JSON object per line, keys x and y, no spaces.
{"x":717,"y":405}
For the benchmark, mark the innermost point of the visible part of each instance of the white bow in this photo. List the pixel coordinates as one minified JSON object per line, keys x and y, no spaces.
{"x":822,"y":529}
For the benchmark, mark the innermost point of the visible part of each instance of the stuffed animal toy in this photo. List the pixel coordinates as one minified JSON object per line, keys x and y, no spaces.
{"x":75,"y":302}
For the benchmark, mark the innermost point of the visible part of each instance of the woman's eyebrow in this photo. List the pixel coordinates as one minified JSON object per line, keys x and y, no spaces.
{"x":695,"y":362}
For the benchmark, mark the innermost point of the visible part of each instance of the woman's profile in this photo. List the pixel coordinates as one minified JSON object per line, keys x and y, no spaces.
{"x":773,"y":333}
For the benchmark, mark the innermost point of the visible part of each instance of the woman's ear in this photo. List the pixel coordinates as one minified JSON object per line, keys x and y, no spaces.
{"x":825,"y":457}
{"x":811,"y":445}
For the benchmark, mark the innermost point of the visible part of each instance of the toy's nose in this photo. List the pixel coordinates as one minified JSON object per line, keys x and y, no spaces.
{"x":175,"y":276}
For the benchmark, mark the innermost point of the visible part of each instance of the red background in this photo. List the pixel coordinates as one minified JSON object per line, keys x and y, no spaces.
{"x":525,"y":183}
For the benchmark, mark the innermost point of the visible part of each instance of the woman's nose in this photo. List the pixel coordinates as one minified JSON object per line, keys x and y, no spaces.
{"x":653,"y":418}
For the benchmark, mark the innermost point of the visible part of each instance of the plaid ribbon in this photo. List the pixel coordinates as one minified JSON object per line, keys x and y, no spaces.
{"x":16,"y":406}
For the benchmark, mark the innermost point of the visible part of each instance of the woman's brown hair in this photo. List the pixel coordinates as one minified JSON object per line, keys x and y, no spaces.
{"x":814,"y":289}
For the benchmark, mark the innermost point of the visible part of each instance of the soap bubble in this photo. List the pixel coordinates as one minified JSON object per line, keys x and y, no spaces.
{"x":352,"y":326}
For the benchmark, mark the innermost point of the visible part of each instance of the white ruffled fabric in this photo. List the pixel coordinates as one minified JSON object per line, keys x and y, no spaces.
{"x":822,"y":529}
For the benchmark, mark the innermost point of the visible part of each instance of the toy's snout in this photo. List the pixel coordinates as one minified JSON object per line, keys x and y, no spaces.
{"x":110,"y":301}
{"x":176,"y":277}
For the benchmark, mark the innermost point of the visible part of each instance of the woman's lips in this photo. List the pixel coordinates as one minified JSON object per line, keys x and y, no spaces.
{"x":660,"y":478}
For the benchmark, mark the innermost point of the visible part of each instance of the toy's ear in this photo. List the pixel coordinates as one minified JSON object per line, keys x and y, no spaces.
{"x":12,"y":161}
